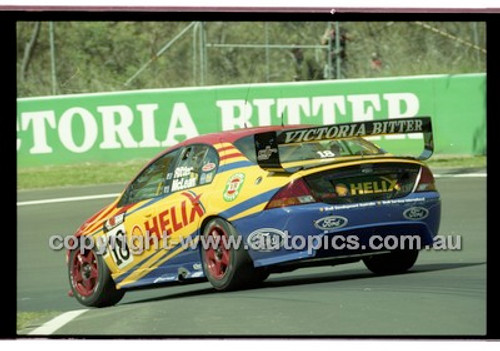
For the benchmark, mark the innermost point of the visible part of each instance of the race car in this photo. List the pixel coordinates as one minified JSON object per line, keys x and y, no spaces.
{"x":236,"y":206}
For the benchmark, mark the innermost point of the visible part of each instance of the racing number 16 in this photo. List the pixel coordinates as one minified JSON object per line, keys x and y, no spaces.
{"x":118,"y":246}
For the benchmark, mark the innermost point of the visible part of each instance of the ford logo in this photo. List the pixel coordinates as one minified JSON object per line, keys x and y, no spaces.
{"x":414,"y":213}
{"x":266,"y":239}
{"x":330,"y":222}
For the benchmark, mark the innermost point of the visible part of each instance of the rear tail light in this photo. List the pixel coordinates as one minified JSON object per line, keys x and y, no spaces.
{"x":426,"y":181}
{"x":295,"y":193}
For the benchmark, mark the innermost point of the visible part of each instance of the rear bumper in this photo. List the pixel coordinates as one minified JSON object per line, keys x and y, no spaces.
{"x":343,"y":230}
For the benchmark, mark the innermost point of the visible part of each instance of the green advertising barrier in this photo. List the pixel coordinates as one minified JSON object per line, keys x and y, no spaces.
{"x":127,"y":125}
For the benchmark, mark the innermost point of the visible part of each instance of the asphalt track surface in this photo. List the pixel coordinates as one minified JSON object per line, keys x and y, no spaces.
{"x":444,"y":293}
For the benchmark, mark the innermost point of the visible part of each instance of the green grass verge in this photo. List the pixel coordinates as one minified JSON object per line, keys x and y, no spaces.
{"x":103,"y":173}
{"x":27,"y":319}
{"x":80,"y":174}
{"x":457,"y":162}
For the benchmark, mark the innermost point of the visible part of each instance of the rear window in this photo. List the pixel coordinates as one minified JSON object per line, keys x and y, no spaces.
{"x":313,"y":150}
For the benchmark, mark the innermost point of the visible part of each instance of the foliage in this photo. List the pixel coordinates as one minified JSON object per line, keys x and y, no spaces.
{"x":102,"y":56}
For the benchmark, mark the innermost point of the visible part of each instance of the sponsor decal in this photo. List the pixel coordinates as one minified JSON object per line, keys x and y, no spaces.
{"x":208,"y":167}
{"x":113,"y":222}
{"x":176,"y":217}
{"x":331,"y":222}
{"x":382,"y":185}
{"x":209,"y":177}
{"x":371,"y":204}
{"x":266,"y":239}
{"x":415,"y":213}
{"x":233,"y":187}
{"x":265,"y":154}
{"x":137,"y":231}
{"x":165,"y":278}
{"x":356,"y":129}
{"x":341,"y":189}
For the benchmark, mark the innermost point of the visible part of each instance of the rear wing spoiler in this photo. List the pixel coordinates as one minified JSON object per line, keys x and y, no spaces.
{"x":266,"y":144}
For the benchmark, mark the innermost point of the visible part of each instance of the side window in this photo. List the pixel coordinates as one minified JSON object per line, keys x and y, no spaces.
{"x":209,"y":166}
{"x":197,"y":165}
{"x":151,"y":182}
{"x":247,"y":147}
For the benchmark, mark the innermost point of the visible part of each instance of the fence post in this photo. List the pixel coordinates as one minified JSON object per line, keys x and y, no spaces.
{"x":53,"y":58}
{"x":338,"y":59}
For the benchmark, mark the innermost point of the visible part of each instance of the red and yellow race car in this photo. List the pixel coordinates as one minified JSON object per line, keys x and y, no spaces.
{"x":236,"y":206}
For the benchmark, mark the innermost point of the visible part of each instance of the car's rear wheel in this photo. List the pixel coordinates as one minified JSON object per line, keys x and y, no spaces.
{"x":227,"y":267}
{"x":90,"y":279}
{"x":392,"y":263}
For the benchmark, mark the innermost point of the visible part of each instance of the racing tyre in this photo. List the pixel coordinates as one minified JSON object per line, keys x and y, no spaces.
{"x":226,"y":267}
{"x":391,"y":263}
{"x":91,"y":281}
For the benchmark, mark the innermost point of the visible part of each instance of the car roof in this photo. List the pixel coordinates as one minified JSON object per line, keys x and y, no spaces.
{"x":227,"y":136}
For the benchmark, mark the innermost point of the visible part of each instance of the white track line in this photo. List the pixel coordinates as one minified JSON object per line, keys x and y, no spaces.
{"x":463,"y":175}
{"x":56,"y":323}
{"x":66,"y":199}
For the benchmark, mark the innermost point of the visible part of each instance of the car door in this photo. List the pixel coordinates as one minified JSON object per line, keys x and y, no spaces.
{"x":171,"y":220}
{"x":181,"y":213}
{"x":176,"y":217}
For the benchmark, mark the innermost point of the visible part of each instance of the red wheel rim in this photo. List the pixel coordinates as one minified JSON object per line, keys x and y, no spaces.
{"x":217,"y":255}
{"x":84,"y":272}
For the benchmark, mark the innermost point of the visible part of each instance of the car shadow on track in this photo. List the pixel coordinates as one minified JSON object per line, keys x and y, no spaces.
{"x":277,"y":282}
{"x":359,"y":274}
